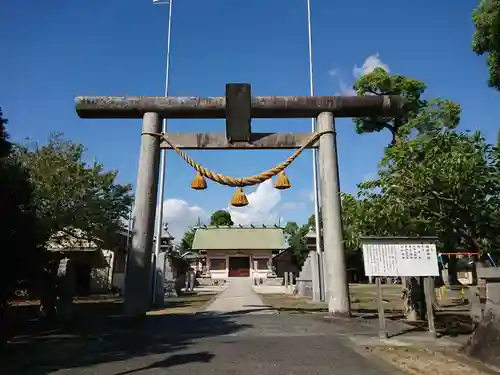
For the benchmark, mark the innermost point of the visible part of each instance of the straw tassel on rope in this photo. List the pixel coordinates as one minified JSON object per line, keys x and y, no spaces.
{"x":239,"y":198}
{"x":282,"y":181}
{"x":199,"y":182}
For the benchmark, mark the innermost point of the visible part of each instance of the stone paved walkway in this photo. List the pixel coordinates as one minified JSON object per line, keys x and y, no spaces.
{"x":239,"y":296}
{"x":236,"y":335}
{"x":207,"y":344}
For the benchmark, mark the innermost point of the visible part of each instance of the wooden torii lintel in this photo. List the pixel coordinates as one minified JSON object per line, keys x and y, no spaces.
{"x":238,"y":107}
{"x":175,"y":107}
{"x":219,"y":141}
{"x":238,"y":113}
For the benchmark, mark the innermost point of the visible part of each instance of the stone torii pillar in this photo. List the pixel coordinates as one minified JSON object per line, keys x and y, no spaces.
{"x":137,"y":278}
{"x":238,"y":107}
{"x":331,"y":212}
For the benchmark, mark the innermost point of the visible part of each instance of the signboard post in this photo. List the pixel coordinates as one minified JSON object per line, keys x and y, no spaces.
{"x":401,"y":257}
{"x":382,"y":328}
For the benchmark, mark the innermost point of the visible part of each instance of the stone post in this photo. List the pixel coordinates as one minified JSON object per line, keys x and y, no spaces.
{"x":316,"y":274}
{"x":318,"y":287}
{"x":290,"y":283}
{"x":338,"y":289}
{"x":138,"y":281}
{"x":192,"y":280}
{"x":66,"y":288}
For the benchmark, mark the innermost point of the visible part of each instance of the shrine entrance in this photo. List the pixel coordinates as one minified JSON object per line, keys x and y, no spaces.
{"x":238,"y":107}
{"x":239,"y":266}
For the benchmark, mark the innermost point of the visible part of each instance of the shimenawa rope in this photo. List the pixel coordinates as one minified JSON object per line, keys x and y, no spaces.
{"x":243,"y":181}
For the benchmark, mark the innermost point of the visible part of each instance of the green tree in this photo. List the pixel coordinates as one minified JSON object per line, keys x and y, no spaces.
{"x":221,"y":218}
{"x":21,"y":256}
{"x":290,"y":229}
{"x":5,"y":145}
{"x":353,"y":218}
{"x":312,"y":221}
{"x":422,"y":115}
{"x":445,"y":184}
{"x":295,"y":237}
{"x":73,"y":201}
{"x":69,"y":193}
{"x":486,"y":38}
{"x":187,"y":240}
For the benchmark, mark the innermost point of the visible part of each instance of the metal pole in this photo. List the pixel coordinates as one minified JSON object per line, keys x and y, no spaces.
{"x":129,"y":228}
{"x":315,"y":164}
{"x":127,"y":245}
{"x":338,"y":289}
{"x":163,"y":161}
{"x":138,"y":279}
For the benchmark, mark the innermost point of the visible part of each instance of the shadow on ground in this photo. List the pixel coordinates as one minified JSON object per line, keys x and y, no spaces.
{"x":98,"y":333}
{"x":447,"y":323}
{"x":451,"y":324}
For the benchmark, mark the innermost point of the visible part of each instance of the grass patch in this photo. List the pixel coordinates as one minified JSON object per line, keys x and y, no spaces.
{"x":184,"y":304}
{"x":286,"y":302}
{"x":364,"y":297}
{"x":94,"y":306}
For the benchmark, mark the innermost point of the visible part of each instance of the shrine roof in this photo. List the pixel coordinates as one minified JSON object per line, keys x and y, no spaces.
{"x":239,"y":238}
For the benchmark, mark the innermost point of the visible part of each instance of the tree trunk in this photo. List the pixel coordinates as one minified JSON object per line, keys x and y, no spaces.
{"x":66,"y":289}
{"x":452,"y":270}
{"x":4,"y":324}
{"x":413,"y":299}
{"x":48,"y":298}
{"x":484,"y":343}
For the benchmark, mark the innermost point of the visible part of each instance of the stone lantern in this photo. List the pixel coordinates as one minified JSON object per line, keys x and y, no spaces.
{"x":311,"y":240}
{"x":309,"y":280}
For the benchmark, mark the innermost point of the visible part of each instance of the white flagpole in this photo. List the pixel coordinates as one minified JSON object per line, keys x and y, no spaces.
{"x":163,"y":152}
{"x":314,"y":151}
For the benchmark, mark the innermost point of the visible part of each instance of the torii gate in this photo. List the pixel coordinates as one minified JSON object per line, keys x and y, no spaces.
{"x":238,"y":107}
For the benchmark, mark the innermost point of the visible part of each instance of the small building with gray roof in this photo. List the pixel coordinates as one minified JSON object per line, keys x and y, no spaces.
{"x":239,"y":251}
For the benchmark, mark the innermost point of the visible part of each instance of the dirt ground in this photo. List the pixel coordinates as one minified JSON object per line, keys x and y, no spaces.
{"x":186,"y":304}
{"x":364,"y":297}
{"x":418,"y":361}
{"x":363,"y":300}
{"x":182,"y":304}
{"x":294,"y":304}
{"x":23,"y":315}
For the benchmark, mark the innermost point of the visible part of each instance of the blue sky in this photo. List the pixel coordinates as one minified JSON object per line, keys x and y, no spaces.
{"x":53,"y":51}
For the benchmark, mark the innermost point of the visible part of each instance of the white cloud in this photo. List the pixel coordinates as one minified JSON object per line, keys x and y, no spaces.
{"x":263,"y":206}
{"x":346,"y":90}
{"x":369,"y":65}
{"x":179,"y":215}
{"x":333,"y":72}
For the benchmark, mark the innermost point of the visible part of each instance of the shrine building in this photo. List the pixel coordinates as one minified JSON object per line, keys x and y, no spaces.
{"x":239,"y":251}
